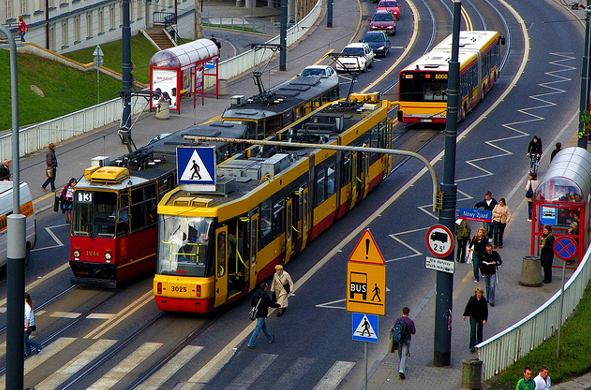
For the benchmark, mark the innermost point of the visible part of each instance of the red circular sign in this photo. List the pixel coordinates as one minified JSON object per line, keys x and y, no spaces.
{"x":440,"y":241}
{"x":565,"y":248}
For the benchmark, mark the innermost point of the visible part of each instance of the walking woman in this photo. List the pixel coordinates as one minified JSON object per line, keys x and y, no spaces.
{"x":532,"y":184}
{"x":281,"y":286}
{"x":477,"y":310}
{"x":30,"y":327}
{"x":501,"y":216}
{"x":67,"y":199}
{"x":547,"y":253}
{"x":477,"y":247}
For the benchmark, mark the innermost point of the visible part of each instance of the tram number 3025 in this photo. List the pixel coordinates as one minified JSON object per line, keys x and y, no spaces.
{"x":180,"y":289}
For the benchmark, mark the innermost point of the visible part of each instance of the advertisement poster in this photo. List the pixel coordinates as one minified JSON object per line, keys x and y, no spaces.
{"x":165,"y":81}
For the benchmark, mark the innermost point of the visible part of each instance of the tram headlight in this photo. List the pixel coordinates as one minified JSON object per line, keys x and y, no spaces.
{"x":108,"y":256}
{"x":76,"y":254}
{"x":198,"y":290}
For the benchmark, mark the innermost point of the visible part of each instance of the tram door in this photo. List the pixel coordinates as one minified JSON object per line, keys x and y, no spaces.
{"x":354,"y":179}
{"x":254,"y":230}
{"x":305,"y":216}
{"x":238,"y":255}
{"x":221,"y":266}
{"x":288,"y":229}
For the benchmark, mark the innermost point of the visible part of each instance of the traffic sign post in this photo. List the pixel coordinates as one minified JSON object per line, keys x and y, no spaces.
{"x":196,"y":168}
{"x":565,"y":249}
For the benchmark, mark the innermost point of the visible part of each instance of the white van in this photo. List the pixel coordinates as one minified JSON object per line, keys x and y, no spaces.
{"x":26,"y":209}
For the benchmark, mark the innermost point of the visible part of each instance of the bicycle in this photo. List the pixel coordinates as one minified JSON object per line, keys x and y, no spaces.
{"x":534,"y":162}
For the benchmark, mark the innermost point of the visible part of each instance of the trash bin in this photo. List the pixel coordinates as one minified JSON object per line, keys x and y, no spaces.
{"x":471,"y":374}
{"x":531,"y":271}
{"x":222,"y":87}
{"x":163,"y":110}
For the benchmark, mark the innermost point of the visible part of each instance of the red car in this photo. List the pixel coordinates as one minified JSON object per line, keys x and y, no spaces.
{"x":383,"y":20}
{"x":390,"y":5}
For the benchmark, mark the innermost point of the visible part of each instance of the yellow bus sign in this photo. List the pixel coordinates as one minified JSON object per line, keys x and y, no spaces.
{"x":366,"y":278}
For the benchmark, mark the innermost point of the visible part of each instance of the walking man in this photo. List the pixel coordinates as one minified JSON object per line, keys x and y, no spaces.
{"x":542,"y":380}
{"x":526,"y":383}
{"x":487,"y":204}
{"x":404,"y":344}
{"x":488,"y":268}
{"x":263,"y":300}
{"x":51,"y":167}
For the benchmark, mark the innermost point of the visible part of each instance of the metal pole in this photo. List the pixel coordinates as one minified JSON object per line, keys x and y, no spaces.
{"x":365,"y":365}
{"x":561,"y":308}
{"x":126,"y":71}
{"x":329,"y":14}
{"x":98,"y":90}
{"x":444,"y":296}
{"x":15,"y":269}
{"x":584,"y":99}
{"x":283,"y":37}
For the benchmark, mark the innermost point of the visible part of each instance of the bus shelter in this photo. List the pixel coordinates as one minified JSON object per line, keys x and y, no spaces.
{"x":562,"y":200}
{"x":180,"y":70}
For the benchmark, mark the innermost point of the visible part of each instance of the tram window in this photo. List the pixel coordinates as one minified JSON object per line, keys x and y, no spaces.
{"x":92,"y":215}
{"x":273,"y":125}
{"x":265,"y":218}
{"x":253,"y":240}
{"x":143,"y":207}
{"x":346,"y":171}
{"x":122,"y":216}
{"x":320,"y":176}
{"x":279,"y":218}
{"x":330,"y":181}
{"x":164,"y":185}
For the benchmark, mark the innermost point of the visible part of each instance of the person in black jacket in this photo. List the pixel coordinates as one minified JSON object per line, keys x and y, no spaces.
{"x":487,"y":204}
{"x":263,"y":300}
{"x":477,"y":310}
{"x":489,"y":262}
{"x":547,"y":253}
{"x":5,"y":171}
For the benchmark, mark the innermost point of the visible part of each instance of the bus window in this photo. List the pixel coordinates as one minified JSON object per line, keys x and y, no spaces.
{"x":94,"y":213}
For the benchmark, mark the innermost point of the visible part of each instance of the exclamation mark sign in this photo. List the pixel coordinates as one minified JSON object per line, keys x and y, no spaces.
{"x":367,"y":249}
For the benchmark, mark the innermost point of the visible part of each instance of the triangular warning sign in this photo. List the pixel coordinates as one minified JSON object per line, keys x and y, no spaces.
{"x":195,"y":170}
{"x":367,"y":251}
{"x":364,"y":329}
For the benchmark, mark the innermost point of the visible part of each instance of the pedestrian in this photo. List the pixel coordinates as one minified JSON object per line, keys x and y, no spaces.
{"x":488,"y":204}
{"x":217,"y":42}
{"x":489,"y":264}
{"x":22,"y":28}
{"x":542,"y":380}
{"x":281,"y":286}
{"x":477,"y":310}
{"x":51,"y":167}
{"x":501,"y":217}
{"x":535,"y":147}
{"x":532,"y":184}
{"x":5,"y":171}
{"x":404,"y":344}
{"x":67,"y":198}
{"x":463,"y":233}
{"x":525,"y":383}
{"x":547,"y":253}
{"x":30,"y":327}
{"x":477,"y":248}
{"x":262,"y":299}
{"x":555,"y":151}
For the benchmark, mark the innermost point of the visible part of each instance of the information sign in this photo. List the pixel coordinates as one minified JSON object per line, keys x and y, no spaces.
{"x":440,"y":264}
{"x":365,"y":327}
{"x":475,"y":215}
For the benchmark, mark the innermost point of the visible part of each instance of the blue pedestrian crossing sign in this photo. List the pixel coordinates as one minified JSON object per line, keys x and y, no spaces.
{"x":365,"y":327}
{"x":196,"y":168}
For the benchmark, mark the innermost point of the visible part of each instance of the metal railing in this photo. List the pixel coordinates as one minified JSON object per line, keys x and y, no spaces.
{"x":505,"y":348}
{"x":243,"y":24}
{"x":165,"y":18}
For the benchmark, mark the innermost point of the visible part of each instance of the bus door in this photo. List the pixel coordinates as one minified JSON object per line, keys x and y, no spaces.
{"x":254,"y":239}
{"x":305,"y":214}
{"x":221,"y":266}
{"x":288,"y":229}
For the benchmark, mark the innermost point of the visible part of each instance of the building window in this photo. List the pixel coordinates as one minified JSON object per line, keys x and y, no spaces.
{"x":77,"y":33}
{"x":65,"y":33}
{"x":8,"y":4}
{"x":101,"y":21}
{"x":131,"y":2}
{"x":89,"y":24}
{"x":52,"y":37}
{"x":24,"y":8}
{"x":51,"y":3}
{"x":112,"y":17}
{"x":120,"y":14}
{"x":40,"y":5}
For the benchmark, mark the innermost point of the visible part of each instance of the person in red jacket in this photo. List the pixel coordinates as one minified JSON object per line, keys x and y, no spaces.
{"x":22,"y":28}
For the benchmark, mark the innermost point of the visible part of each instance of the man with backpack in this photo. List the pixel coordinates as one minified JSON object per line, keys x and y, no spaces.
{"x":402,"y":332}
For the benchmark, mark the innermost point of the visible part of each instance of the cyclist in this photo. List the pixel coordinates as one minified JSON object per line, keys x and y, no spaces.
{"x":534,"y":152}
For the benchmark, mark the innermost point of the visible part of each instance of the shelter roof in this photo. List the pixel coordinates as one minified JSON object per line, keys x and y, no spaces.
{"x":568,"y":177}
{"x":183,"y":55}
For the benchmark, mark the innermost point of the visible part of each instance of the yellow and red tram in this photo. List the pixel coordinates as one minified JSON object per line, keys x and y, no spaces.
{"x":214,"y":248}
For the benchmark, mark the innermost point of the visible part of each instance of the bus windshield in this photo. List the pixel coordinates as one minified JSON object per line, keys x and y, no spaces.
{"x":182,"y":245}
{"x":94,"y":213}
{"x":423,"y":86}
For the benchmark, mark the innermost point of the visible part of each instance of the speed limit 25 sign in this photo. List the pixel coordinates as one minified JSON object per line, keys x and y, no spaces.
{"x":440,"y":241}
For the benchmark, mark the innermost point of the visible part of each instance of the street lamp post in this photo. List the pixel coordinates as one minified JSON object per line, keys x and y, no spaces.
{"x":584,"y":99}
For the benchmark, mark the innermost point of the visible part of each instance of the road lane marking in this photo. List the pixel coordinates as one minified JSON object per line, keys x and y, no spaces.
{"x":64,"y":314}
{"x":174,"y":365}
{"x":252,"y":372}
{"x":100,"y":316}
{"x":291,"y":377}
{"x":335,"y":375}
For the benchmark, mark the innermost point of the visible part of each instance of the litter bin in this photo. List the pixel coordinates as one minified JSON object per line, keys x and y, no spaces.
{"x":471,"y":374}
{"x":531,"y":271}
{"x":163,"y":110}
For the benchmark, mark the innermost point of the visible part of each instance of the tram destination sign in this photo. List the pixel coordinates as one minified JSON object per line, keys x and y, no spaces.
{"x":475,"y":215}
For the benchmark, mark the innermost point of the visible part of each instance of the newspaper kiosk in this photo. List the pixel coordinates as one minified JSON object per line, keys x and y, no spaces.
{"x":181,"y":70}
{"x":562,"y":200}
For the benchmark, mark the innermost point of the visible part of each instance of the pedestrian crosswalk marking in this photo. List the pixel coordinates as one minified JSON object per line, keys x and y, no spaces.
{"x":252,"y":372}
{"x":76,"y":364}
{"x":185,"y":355}
{"x":100,"y":316}
{"x":125,"y":367}
{"x":365,"y":327}
{"x":196,"y":170}
{"x":335,"y":375}
{"x":63,"y":314}
{"x":291,"y":377}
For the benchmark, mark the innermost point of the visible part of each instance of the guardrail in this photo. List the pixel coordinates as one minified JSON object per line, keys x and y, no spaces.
{"x":38,"y":136}
{"x":506,"y":347}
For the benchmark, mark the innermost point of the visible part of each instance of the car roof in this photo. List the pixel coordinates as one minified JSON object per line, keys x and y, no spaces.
{"x":374,"y":32}
{"x":355,"y":44}
{"x":383,"y":11}
{"x":318,"y":67}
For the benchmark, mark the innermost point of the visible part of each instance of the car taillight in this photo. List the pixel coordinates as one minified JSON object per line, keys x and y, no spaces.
{"x":159,"y":288}
{"x":198,"y":291}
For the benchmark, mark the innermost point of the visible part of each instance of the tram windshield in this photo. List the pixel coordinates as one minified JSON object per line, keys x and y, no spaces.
{"x":182,"y":245}
{"x":94,"y":214}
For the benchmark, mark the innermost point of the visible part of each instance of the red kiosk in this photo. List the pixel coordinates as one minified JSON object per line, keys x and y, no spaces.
{"x":562,"y":200}
{"x":181,"y":70}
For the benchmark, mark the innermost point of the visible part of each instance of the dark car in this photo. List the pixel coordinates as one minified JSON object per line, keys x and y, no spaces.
{"x":378,"y":41}
{"x":383,"y":20}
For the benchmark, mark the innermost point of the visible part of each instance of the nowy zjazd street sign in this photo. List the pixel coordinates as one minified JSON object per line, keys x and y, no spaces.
{"x":366,"y":278}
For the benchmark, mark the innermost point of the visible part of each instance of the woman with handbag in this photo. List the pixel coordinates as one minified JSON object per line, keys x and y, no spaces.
{"x":477,"y":248}
{"x":281,"y":287}
{"x":30,"y":327}
{"x":67,"y":199}
{"x":530,"y":188}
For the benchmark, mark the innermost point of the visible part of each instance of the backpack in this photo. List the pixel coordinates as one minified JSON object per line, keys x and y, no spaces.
{"x":253,"y":313}
{"x":399,"y":331}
